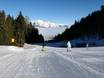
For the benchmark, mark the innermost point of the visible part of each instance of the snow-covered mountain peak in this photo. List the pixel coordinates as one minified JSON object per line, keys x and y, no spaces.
{"x":46,"y":24}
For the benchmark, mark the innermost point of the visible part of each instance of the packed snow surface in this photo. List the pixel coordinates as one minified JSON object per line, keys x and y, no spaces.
{"x":31,"y":62}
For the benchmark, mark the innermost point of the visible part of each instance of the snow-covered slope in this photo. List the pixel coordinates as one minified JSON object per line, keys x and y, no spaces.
{"x":92,"y":42}
{"x":52,"y":63}
{"x":45,"y":24}
{"x":50,"y":33}
{"x":49,"y":29}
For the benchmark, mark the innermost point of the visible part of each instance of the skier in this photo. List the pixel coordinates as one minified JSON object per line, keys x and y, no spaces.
{"x":87,"y":46}
{"x":43,"y":45}
{"x":68,"y":46}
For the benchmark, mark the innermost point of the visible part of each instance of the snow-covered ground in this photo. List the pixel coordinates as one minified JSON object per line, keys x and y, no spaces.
{"x":31,"y":62}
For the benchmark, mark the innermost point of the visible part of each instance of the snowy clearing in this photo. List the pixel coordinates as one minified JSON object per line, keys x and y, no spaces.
{"x":31,"y":62}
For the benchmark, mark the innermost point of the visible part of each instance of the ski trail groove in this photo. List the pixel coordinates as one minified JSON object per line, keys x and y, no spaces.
{"x":81,"y":65}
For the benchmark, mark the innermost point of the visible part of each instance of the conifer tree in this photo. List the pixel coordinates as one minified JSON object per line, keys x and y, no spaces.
{"x":20,"y":29}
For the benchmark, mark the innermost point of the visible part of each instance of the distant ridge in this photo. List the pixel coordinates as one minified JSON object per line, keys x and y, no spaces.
{"x":47,"y":24}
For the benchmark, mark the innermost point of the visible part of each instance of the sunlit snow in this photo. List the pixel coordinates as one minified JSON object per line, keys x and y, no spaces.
{"x":31,"y":62}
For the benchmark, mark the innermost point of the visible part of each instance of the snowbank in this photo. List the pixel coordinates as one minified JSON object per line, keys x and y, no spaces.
{"x":93,"y":42}
{"x":16,"y":49}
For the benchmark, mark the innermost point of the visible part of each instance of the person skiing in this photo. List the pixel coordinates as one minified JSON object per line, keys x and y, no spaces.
{"x":87,"y":46}
{"x":68,"y":46}
{"x":43,"y":45}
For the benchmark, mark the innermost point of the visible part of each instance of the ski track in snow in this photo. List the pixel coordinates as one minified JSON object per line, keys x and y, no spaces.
{"x":51,"y":63}
{"x":89,"y":69}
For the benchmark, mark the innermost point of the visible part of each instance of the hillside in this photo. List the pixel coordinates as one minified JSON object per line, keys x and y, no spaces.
{"x":49,"y":29}
{"x":17,"y":31}
{"x":89,"y":27}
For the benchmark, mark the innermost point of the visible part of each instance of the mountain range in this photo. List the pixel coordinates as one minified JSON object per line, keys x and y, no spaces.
{"x":47,"y":24}
{"x":48,"y":29}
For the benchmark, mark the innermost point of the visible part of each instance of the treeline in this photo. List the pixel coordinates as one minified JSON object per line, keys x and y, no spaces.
{"x":17,"y":31}
{"x":89,"y":26}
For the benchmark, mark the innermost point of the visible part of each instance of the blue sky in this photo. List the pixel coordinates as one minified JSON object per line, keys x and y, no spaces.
{"x":57,"y":11}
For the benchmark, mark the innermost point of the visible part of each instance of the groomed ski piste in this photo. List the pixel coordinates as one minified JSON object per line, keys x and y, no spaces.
{"x":31,"y":62}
